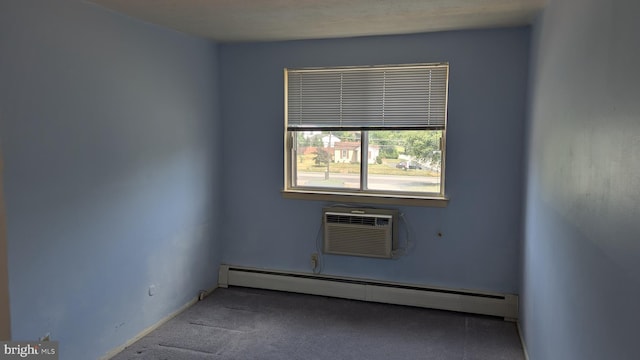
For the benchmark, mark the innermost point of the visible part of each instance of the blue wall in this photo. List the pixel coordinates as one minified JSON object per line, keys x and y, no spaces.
{"x":110,"y":133}
{"x":581,"y":278}
{"x":482,"y":224}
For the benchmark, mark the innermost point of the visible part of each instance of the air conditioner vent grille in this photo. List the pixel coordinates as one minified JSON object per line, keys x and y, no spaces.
{"x":353,"y":240}
{"x":360,"y":232}
{"x":351,"y":219}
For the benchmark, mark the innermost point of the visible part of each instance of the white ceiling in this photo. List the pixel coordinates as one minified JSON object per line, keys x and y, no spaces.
{"x":265,"y":20}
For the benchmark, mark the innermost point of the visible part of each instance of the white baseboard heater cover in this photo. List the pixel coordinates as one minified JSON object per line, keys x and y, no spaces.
{"x":475,"y":302}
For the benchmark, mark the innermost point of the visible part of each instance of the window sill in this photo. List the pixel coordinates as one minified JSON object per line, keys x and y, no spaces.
{"x":361,"y":198}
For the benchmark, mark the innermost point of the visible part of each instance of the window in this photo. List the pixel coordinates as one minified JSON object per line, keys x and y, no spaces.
{"x":376,"y":131}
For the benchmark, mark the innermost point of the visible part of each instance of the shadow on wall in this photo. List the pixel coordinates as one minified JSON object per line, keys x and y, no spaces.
{"x":5,"y":324}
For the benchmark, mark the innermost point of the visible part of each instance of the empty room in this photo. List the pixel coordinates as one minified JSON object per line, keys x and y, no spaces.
{"x":351,"y":179}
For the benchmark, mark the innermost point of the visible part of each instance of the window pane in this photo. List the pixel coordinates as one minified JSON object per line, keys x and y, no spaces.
{"x":329,"y":159}
{"x":406,"y":161}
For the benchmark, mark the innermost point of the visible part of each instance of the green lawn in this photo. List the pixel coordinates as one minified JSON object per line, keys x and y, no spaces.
{"x":388,"y":167}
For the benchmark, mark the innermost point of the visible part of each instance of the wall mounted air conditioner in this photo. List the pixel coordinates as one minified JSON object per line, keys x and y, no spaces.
{"x":360,"y":231}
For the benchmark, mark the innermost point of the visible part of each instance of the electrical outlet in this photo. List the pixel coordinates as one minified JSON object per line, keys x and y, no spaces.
{"x":152,"y":290}
{"x":314,"y":261}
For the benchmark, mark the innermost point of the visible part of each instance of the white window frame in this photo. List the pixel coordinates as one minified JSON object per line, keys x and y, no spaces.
{"x":362,"y":195}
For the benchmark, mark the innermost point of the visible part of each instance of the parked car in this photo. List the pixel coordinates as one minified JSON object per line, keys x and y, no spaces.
{"x":404,"y":165}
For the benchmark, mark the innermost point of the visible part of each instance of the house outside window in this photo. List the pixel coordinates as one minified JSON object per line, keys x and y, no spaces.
{"x":396,"y":115}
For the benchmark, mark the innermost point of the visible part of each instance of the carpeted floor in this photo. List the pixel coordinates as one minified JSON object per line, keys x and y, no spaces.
{"x":240,"y":323}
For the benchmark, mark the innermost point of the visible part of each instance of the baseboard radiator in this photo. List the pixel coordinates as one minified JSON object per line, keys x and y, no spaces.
{"x":475,"y":302}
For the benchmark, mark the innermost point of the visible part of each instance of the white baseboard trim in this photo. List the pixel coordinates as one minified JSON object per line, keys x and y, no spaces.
{"x":462,"y":300}
{"x":153,"y":327}
{"x":522,"y":342}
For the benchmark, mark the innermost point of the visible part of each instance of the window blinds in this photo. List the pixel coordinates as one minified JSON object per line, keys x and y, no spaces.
{"x":393,"y":97}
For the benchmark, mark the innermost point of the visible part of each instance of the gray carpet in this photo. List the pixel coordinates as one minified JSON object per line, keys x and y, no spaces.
{"x":241,"y":323}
